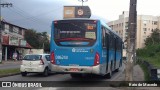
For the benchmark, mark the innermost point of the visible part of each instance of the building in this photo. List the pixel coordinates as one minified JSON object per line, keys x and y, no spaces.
{"x":13,"y":41}
{"x":145,"y":25}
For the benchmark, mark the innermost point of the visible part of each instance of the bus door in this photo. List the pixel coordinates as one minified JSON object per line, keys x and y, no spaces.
{"x":115,"y":52}
{"x":107,"y":50}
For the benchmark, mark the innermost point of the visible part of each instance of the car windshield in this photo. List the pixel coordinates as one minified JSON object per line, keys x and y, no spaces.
{"x":32,"y":57}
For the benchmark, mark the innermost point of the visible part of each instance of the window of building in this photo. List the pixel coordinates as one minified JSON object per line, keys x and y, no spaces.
{"x":3,"y":26}
{"x":10,"y":28}
{"x":155,"y":22}
{"x":145,"y":22}
{"x":20,"y":31}
{"x":117,"y":25}
{"x":6,"y":26}
{"x":144,"y":29}
{"x":15,"y":29}
{"x":152,"y":30}
{"x":126,"y":34}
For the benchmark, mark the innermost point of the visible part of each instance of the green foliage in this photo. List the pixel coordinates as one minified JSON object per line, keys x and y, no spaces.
{"x":37,"y":40}
{"x":150,"y":54}
{"x":154,"y":38}
{"x":9,"y":71}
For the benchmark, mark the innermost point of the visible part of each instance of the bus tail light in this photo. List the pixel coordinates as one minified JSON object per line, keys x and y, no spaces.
{"x":96,"y":59}
{"x":53,"y":58}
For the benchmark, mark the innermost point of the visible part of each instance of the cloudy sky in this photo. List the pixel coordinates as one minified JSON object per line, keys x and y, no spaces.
{"x":38,"y":14}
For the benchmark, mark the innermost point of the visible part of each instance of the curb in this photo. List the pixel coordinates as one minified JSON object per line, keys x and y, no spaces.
{"x":9,"y":75}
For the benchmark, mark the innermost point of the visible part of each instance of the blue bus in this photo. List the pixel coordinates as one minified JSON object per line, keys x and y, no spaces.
{"x":84,"y":46}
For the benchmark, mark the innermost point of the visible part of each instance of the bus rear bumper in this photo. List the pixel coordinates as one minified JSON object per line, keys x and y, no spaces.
{"x":76,"y":69}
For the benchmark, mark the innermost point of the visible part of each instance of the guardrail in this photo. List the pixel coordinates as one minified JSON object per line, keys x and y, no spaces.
{"x":154,"y":73}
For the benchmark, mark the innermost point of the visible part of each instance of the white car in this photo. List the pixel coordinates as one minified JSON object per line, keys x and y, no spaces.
{"x":35,"y":63}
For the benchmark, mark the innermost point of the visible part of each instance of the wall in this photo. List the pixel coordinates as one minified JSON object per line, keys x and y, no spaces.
{"x":32,"y":51}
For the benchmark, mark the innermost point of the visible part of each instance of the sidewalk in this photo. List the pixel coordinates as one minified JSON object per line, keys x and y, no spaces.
{"x":10,"y":64}
{"x":138,"y":75}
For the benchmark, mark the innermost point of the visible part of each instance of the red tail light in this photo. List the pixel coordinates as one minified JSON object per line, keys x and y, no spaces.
{"x":96,"y":59}
{"x":53,"y":58}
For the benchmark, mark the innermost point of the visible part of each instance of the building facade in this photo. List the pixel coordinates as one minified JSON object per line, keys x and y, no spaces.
{"x":13,"y":42}
{"x":145,"y":25}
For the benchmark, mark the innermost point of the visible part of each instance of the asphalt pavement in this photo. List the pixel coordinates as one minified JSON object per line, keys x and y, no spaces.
{"x":138,"y":75}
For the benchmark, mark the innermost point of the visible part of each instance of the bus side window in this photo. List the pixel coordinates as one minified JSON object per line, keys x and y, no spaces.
{"x":111,"y":42}
{"x":117,"y":44}
{"x":107,"y":40}
{"x":103,"y":37}
{"x":114,"y":43}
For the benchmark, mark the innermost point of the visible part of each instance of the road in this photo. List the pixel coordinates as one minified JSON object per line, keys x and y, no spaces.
{"x":60,"y":77}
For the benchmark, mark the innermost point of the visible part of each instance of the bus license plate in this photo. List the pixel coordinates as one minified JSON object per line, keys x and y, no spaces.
{"x":74,"y":69}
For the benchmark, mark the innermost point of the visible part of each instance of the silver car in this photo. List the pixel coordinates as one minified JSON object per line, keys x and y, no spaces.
{"x":35,"y":63}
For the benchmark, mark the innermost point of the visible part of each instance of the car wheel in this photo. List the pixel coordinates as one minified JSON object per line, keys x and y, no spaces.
{"x":45,"y":73}
{"x":23,"y":73}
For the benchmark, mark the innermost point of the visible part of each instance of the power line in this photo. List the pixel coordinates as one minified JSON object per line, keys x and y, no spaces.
{"x":35,"y":17}
{"x":26,"y":18}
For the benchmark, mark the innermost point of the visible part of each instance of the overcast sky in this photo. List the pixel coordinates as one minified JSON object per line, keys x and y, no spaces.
{"x":38,"y":14}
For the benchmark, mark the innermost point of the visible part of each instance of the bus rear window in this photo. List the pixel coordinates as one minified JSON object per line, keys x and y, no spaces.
{"x":75,"y":32}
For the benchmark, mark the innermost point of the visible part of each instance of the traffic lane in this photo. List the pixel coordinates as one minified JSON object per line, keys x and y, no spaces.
{"x":51,"y":77}
{"x":61,"y":77}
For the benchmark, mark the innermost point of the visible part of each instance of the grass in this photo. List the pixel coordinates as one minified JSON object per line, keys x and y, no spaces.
{"x":145,"y":70}
{"x":9,"y":71}
{"x":150,"y":54}
{"x":154,"y":61}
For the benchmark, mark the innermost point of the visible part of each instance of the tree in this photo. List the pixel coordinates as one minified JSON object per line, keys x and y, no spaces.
{"x":38,"y":40}
{"x":154,"y":38}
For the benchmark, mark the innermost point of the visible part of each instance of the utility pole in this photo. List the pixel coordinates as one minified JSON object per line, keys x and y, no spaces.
{"x":83,"y":1}
{"x":131,"y":40}
{"x":2,"y":5}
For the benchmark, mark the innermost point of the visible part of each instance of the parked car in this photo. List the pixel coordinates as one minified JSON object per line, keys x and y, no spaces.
{"x":35,"y":63}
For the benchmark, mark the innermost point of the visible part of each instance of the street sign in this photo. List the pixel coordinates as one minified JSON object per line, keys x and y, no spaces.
{"x":77,"y":12}
{"x":80,"y":12}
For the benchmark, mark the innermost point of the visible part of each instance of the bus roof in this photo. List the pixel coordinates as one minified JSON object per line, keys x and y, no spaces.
{"x":104,"y":24}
